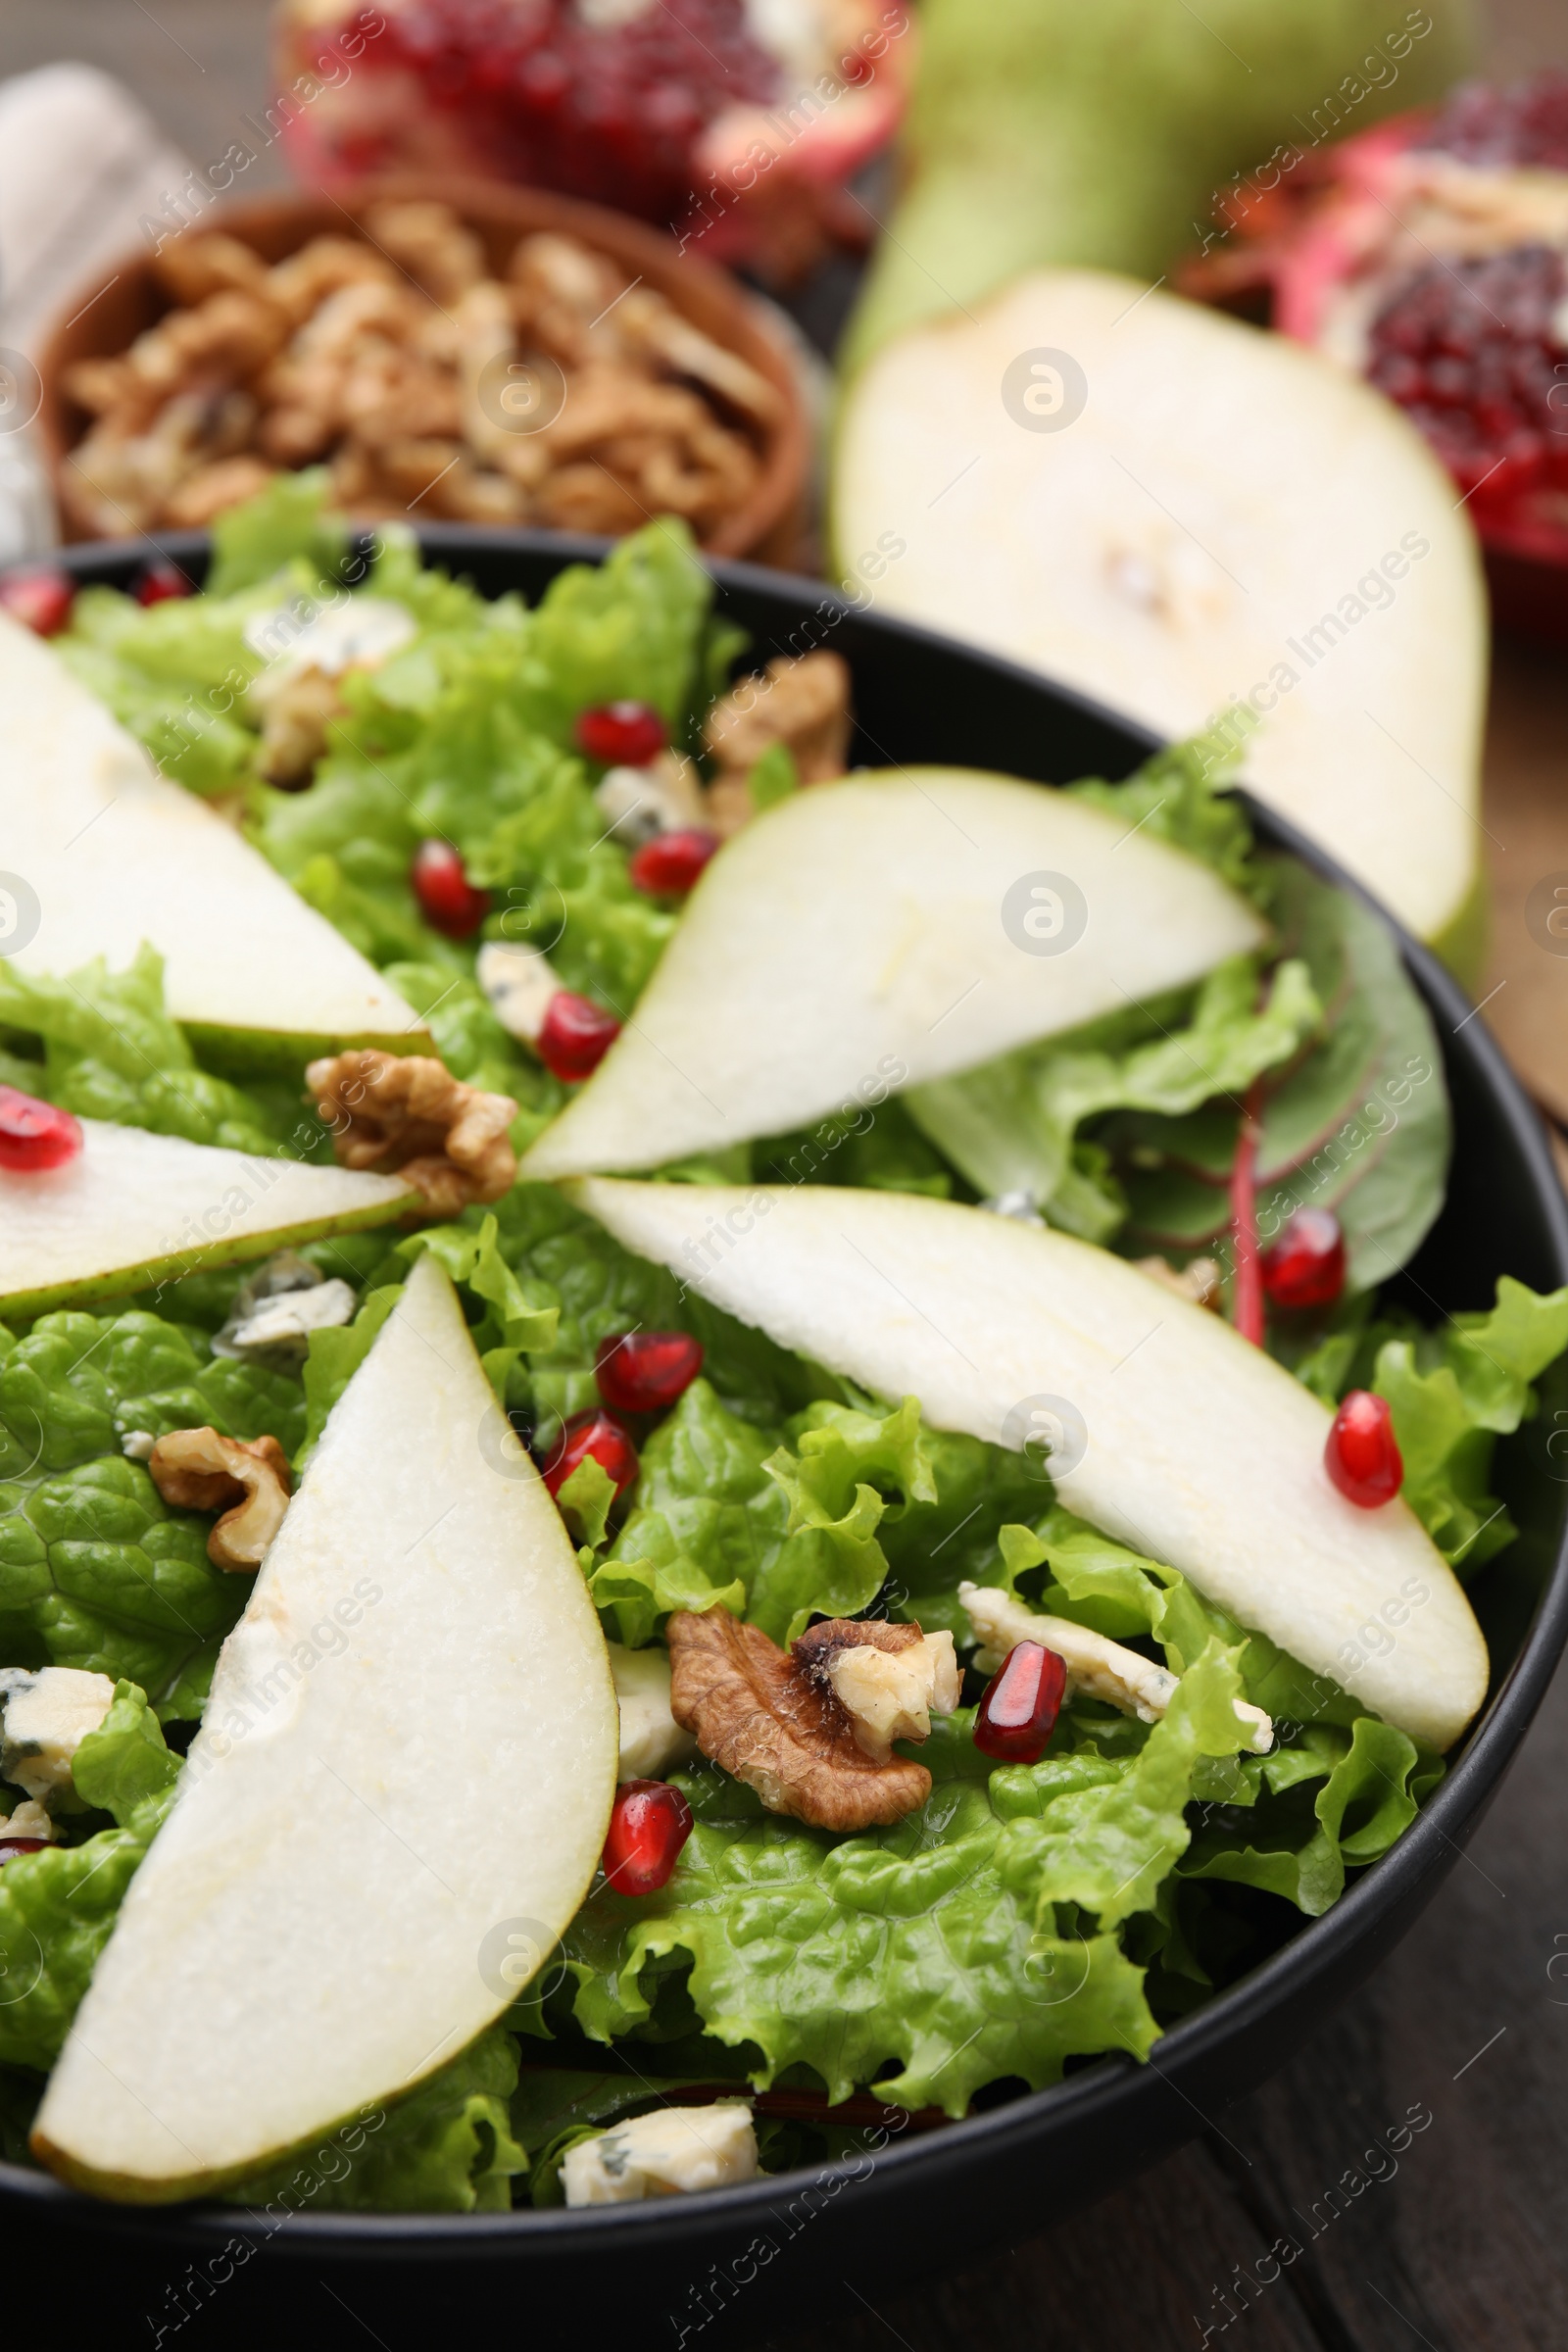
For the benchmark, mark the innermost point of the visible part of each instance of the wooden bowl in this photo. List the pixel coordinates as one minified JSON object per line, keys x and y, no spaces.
{"x":103,"y":321}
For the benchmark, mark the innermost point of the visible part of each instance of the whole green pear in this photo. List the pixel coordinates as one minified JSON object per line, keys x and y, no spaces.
{"x":1100,"y":131}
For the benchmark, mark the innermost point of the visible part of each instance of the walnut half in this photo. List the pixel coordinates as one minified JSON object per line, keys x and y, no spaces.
{"x":197,"y":1470}
{"x":774,"y":1718}
{"x":406,"y":1113}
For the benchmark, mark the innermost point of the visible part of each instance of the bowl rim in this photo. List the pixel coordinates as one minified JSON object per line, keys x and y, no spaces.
{"x":773,"y":511}
{"x":1410,"y":1869}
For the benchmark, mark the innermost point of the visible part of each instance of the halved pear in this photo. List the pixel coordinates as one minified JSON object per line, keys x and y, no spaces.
{"x":1197,"y":1449}
{"x":1173,"y":513}
{"x":110,"y":853}
{"x":134,"y":1208}
{"x":394,"y":1807}
{"x":879,"y":932}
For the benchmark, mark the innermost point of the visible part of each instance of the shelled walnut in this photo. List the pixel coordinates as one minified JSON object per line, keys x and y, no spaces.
{"x":565,"y":393}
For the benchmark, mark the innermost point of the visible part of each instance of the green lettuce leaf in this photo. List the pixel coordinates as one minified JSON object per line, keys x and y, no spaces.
{"x":58,"y":1908}
{"x":124,"y":1761}
{"x":1186,"y":794}
{"x":286,"y":522}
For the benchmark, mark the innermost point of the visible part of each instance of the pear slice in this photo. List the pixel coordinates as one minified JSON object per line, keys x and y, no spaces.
{"x":393,"y":1809}
{"x":878,"y":933}
{"x":1170,"y":1432}
{"x":108,"y":852}
{"x":1173,"y":513}
{"x":134,"y":1208}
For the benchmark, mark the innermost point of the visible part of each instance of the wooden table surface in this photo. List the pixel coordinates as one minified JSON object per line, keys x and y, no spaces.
{"x":1460,"y":2243}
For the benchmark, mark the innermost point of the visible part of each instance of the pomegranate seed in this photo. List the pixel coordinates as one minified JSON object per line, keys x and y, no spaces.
{"x":448,"y":899}
{"x":622,"y":734}
{"x":11,"y":1847}
{"x":575,"y":1036}
{"x":1018,"y":1712}
{"x":668,"y":866}
{"x":35,"y":1135}
{"x":649,"y":1823}
{"x":1362,"y":1456}
{"x":156,"y":583}
{"x":40,"y":598}
{"x":647,"y":1370}
{"x":592,"y":1437}
{"x":1306,"y":1266}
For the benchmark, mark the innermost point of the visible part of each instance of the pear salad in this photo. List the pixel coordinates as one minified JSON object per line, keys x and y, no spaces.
{"x":692,"y":1446}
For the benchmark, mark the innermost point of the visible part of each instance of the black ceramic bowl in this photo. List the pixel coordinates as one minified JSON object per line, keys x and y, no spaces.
{"x":737,"y":2264}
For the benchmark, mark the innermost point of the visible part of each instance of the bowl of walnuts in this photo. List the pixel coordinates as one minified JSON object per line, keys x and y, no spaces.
{"x":455,"y":351}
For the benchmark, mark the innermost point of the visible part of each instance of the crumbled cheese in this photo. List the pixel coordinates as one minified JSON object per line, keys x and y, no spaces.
{"x":638,"y":802}
{"x":29,"y":1820}
{"x":650,"y":1739}
{"x":47,"y":1715}
{"x":358,"y":633}
{"x":1104,"y":1669}
{"x":518,"y":982}
{"x":136,"y":1443}
{"x":893,"y":1694}
{"x":674,"y":2149}
{"x":287,"y":1320}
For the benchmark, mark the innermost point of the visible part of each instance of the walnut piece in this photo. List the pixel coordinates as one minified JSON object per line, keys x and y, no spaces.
{"x":889,"y":1679}
{"x":406,"y":1113}
{"x":802,"y":701}
{"x":249,"y":1482}
{"x":772,"y":1717}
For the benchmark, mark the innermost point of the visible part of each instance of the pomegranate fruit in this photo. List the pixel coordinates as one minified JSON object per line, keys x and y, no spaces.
{"x":1362,"y":1456}
{"x":39,"y":597}
{"x":1019,"y":1711}
{"x":35,"y":1135}
{"x":1429,"y":255}
{"x":668,"y":865}
{"x":11,"y":1847}
{"x":736,"y":124}
{"x":448,"y":899}
{"x":575,"y":1036}
{"x":650,"y":1823}
{"x":156,"y":583}
{"x":592,"y":1437}
{"x":622,"y":734}
{"x":1306,"y":1266}
{"x":646,"y":1371}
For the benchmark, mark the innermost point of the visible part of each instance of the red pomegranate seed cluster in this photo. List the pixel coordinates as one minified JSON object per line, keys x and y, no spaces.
{"x":647,"y":1371}
{"x":649,"y":1823}
{"x":576,"y":1036}
{"x":39,"y":597}
{"x":1018,"y":1712}
{"x":1306,"y":1266}
{"x":1523,"y":127}
{"x":1470,"y":350}
{"x":1362,"y":1456}
{"x":668,"y":866}
{"x":598,"y":1436}
{"x":607,"y":111}
{"x":35,"y":1135}
{"x":448,"y":901}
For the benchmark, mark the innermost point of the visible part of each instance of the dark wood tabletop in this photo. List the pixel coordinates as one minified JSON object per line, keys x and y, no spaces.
{"x":1404,"y":2180}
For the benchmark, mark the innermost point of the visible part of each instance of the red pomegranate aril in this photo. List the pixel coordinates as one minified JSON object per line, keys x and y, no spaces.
{"x":11,"y":1847}
{"x":592,"y":1437}
{"x":156,"y":583}
{"x":1306,"y":1266}
{"x":1362,"y":1456}
{"x":622,"y":734}
{"x":574,"y":1037}
{"x":35,"y":1135}
{"x":668,"y":866}
{"x":646,"y":1371}
{"x":448,"y":901}
{"x":1018,"y":1712}
{"x":650,"y":1823}
{"x":40,"y":598}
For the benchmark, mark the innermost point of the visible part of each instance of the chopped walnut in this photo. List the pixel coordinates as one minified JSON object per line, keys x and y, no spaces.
{"x":772,"y":1719}
{"x":889,"y":1679}
{"x":197,"y":1470}
{"x":431,"y":244}
{"x":298,"y":708}
{"x":799,"y":701}
{"x":213,"y":489}
{"x":1200,"y":1281}
{"x":406,"y":1112}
